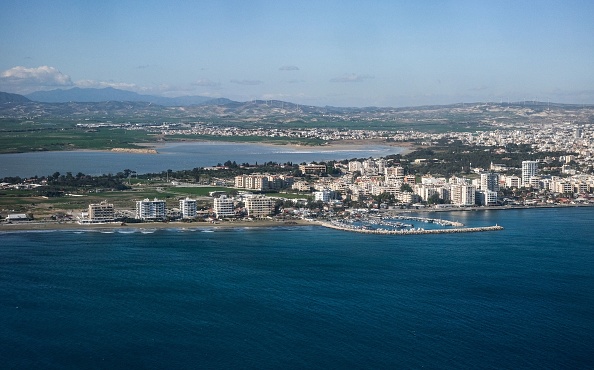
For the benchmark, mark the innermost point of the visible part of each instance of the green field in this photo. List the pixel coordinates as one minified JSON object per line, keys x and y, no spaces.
{"x":18,"y":137}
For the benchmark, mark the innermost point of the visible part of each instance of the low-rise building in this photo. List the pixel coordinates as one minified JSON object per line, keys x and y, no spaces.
{"x":308,"y":169}
{"x":101,"y":212}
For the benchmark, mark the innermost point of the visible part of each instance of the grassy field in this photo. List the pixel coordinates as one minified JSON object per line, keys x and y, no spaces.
{"x":28,"y":137}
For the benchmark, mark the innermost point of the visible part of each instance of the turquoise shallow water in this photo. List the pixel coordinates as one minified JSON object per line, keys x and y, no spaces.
{"x":303,"y":297}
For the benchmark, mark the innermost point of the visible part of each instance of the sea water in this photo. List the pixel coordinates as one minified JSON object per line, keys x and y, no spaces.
{"x":303,"y":297}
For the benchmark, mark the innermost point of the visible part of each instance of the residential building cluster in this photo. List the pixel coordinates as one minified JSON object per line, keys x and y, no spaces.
{"x":254,"y":206}
{"x":361,"y":180}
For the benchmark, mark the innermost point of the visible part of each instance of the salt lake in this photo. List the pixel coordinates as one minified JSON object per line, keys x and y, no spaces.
{"x":179,"y":156}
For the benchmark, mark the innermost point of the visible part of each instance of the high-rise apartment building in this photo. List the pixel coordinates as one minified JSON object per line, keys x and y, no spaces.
{"x":529,"y":169}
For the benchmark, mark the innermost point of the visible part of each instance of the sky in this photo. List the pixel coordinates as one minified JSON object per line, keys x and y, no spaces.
{"x":332,"y":52}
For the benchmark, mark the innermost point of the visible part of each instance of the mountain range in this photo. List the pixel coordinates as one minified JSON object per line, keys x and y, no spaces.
{"x":90,"y":95}
{"x":114,"y":104}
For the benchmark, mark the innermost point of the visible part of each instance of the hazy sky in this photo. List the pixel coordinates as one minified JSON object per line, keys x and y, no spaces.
{"x":325,"y":52}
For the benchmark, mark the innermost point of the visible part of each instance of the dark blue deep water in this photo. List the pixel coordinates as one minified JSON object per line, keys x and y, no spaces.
{"x":303,"y":297}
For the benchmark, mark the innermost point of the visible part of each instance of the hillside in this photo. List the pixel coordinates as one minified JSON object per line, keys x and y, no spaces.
{"x":78,"y":94}
{"x":12,"y":98}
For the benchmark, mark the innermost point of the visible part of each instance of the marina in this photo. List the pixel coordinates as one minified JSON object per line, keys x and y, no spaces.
{"x":401,"y":229}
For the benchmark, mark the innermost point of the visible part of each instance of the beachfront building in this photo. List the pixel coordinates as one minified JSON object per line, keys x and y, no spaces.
{"x":151,"y":209}
{"x":16,"y":217}
{"x":486,"y":198}
{"x":463,"y":194}
{"x":259,"y":206}
{"x":223,"y":207}
{"x":101,"y":212}
{"x":188,"y":207}
{"x":489,"y":181}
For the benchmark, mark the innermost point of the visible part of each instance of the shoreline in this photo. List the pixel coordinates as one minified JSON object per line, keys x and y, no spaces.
{"x":153,"y":148}
{"x":65,"y":226}
{"x":24,"y":226}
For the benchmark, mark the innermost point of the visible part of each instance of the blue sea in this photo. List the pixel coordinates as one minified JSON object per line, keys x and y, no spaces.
{"x":303,"y":297}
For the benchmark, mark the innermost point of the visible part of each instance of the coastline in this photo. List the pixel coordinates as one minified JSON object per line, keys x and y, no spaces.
{"x":23,"y":226}
{"x":65,"y":226}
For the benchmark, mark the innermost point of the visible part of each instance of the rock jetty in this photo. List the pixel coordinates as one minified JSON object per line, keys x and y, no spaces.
{"x":346,"y":227}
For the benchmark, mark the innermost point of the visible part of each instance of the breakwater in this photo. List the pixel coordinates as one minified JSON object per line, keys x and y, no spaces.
{"x":345,"y":227}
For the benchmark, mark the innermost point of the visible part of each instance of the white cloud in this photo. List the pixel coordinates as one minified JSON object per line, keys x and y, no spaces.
{"x":102,"y":84}
{"x":351,"y":77}
{"x":288,"y":68}
{"x":22,"y":79}
{"x":205,"y":82}
{"x":247,"y":82}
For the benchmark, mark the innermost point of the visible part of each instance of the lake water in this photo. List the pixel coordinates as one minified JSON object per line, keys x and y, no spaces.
{"x":178,"y":156}
{"x":303,"y":297}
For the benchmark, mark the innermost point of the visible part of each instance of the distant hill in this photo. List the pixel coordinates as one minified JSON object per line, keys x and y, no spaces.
{"x":12,"y":98}
{"x":78,"y":94}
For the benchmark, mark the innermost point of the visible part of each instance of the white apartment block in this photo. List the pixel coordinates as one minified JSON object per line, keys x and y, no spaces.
{"x":513,"y":182}
{"x":463,"y":194}
{"x":394,"y":171}
{"x":426,"y":191}
{"x":355,"y":166}
{"x":325,"y":195}
{"x":529,"y":169}
{"x":188,"y":207}
{"x":223,"y":207}
{"x":151,"y":209}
